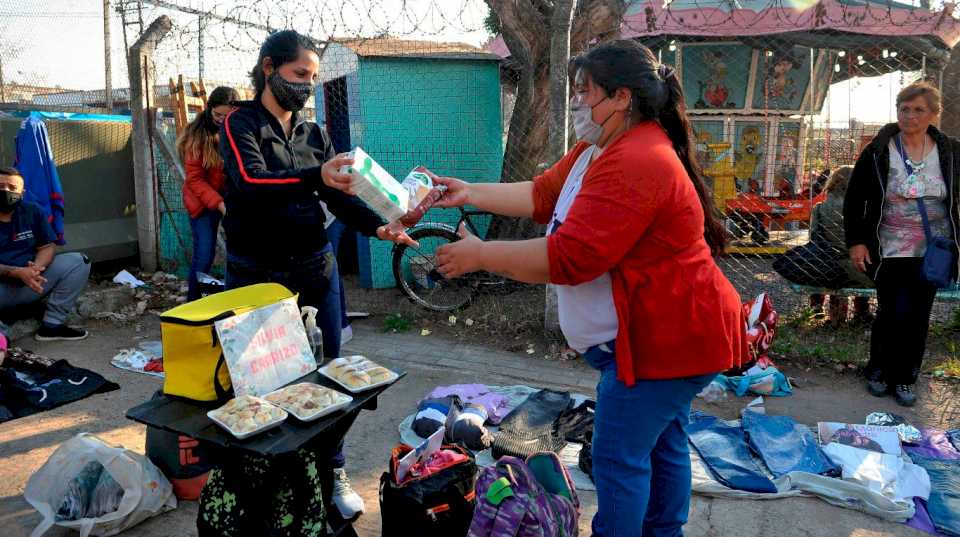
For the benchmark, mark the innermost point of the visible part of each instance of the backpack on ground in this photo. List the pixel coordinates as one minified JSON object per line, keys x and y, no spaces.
{"x":440,"y":504}
{"x":535,"y":498}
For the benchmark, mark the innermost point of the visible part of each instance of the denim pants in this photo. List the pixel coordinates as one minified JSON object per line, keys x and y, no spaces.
{"x":335,"y":233}
{"x":641,"y":458}
{"x":898,"y":338}
{"x":204,"y":229}
{"x":314,"y":277}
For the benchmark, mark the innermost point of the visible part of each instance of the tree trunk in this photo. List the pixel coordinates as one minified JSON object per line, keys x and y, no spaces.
{"x":560,"y":23}
{"x":529,"y":31}
{"x":950,"y":116}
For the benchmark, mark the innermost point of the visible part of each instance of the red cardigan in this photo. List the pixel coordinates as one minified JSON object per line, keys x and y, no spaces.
{"x":202,"y":187}
{"x":638,"y":217}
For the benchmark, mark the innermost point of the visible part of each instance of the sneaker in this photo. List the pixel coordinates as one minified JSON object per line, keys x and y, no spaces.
{"x":61,"y":332}
{"x":876,"y":386}
{"x":346,"y":335}
{"x":904,"y":395}
{"x":348,"y":502}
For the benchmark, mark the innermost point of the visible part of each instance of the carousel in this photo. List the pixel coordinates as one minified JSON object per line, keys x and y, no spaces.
{"x":756,"y":74}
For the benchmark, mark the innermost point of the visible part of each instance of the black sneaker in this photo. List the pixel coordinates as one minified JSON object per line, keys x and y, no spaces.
{"x":60,"y":332}
{"x":876,"y":386}
{"x":904,"y":395}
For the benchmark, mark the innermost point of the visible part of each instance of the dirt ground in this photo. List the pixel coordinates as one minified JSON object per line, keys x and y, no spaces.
{"x":820,"y":395}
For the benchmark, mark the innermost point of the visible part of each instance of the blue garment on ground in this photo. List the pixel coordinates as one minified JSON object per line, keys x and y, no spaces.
{"x":41,"y":180}
{"x":944,"y":503}
{"x":775,"y":383}
{"x":785,"y":445}
{"x":724,"y":451}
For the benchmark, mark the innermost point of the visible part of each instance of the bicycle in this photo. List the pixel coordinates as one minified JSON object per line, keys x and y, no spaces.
{"x":415,"y":269}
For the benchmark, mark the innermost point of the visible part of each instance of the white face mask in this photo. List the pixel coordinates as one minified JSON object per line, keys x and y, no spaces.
{"x":586,"y":129}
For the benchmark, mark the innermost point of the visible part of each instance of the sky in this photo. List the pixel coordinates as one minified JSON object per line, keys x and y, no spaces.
{"x":60,"y":42}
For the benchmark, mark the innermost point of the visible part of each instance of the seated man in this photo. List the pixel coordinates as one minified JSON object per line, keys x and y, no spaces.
{"x":29,"y":270}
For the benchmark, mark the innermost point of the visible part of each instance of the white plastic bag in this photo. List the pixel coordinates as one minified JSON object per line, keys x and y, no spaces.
{"x":146,"y":492}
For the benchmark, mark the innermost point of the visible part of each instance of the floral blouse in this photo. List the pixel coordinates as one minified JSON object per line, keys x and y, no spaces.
{"x":901,"y":229}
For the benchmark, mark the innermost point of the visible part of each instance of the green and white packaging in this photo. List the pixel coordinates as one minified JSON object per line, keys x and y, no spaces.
{"x":376,"y":187}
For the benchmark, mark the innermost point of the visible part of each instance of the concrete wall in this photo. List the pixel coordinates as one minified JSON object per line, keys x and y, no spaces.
{"x":94,"y":161}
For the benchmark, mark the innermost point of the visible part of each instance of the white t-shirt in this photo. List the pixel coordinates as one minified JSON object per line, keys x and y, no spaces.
{"x":587,"y":314}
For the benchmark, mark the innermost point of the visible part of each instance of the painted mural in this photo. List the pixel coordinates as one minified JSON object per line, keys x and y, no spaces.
{"x":785,"y":163}
{"x":716,"y":75}
{"x":782,"y":79}
{"x":749,"y":156}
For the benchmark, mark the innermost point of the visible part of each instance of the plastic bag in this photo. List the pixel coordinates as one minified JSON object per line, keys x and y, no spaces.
{"x":146,"y":492}
{"x":769,"y":382}
{"x":76,"y":501}
{"x":715,"y":391}
{"x":106,"y":496}
{"x":907,"y":433}
{"x":761,"y":325}
{"x":314,"y":334}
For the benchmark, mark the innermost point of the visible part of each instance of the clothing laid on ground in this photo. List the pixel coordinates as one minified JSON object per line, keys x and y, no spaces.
{"x":41,"y":179}
{"x":722,"y":447}
{"x":497,"y":405}
{"x":785,"y":445}
{"x":468,"y":428}
{"x":586,"y":311}
{"x":531,"y":427}
{"x":66,"y":277}
{"x":899,"y":336}
{"x":901,"y":229}
{"x":890,"y":475}
{"x":640,"y":450}
{"x":27,"y":230}
{"x":943,"y":505}
{"x":274,"y":187}
{"x":637,"y":217}
{"x":934,"y":444}
{"x":435,"y":413}
{"x":27,"y":389}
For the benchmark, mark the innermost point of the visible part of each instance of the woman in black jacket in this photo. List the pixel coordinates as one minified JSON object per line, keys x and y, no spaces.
{"x":885,"y":235}
{"x":278,"y":166}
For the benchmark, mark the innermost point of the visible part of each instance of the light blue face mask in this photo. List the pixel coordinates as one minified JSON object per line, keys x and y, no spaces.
{"x":586,"y":129}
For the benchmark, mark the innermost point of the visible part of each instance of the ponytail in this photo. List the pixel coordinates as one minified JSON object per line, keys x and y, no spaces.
{"x":674,"y":120}
{"x":656,"y":95}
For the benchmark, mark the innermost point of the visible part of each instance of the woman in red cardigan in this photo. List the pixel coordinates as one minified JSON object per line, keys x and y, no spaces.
{"x":631,"y":238}
{"x":203,"y":186}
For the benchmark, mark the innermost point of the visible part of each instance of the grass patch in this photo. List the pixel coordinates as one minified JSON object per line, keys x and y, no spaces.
{"x":396,"y":323}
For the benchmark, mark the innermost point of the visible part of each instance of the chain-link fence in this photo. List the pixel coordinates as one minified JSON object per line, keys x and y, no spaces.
{"x":782,"y":96}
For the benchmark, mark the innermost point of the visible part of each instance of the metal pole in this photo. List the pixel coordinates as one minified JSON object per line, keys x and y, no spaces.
{"x":200,"y":47}
{"x":3,"y":88}
{"x":107,"y":64}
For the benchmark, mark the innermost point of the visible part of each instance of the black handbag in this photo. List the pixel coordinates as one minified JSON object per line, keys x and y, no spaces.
{"x":438,"y":505}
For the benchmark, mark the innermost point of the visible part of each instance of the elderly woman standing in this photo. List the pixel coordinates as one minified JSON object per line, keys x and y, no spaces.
{"x":885,"y":232}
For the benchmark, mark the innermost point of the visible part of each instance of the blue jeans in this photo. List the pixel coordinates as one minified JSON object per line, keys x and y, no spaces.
{"x":314,"y":277}
{"x":204,"y":229}
{"x":334,"y":233}
{"x":641,"y":459}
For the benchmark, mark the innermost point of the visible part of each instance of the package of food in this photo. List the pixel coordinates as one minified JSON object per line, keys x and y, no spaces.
{"x":308,"y":401}
{"x":376,"y":187}
{"x":357,"y":373}
{"x":246,"y":416}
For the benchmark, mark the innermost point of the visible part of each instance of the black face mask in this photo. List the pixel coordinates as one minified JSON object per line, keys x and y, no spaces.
{"x":9,"y":201}
{"x":290,"y":96}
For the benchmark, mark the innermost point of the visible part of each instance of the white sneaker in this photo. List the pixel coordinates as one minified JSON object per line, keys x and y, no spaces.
{"x":348,"y":502}
{"x":346,"y":335}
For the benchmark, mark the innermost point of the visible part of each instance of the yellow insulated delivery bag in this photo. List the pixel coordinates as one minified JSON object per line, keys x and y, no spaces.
{"x":193,"y":362}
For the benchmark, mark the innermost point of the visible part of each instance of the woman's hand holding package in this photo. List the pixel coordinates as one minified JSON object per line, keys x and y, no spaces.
{"x":462,"y":257}
{"x":330,"y":171}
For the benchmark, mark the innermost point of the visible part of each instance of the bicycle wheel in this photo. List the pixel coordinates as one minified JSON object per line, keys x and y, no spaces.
{"x":415,"y":270}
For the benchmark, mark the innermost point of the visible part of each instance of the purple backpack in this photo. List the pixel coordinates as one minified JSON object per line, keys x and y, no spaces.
{"x":535,"y":498}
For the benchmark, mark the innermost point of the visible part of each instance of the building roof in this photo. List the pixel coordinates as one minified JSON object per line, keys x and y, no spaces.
{"x":402,"y":48}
